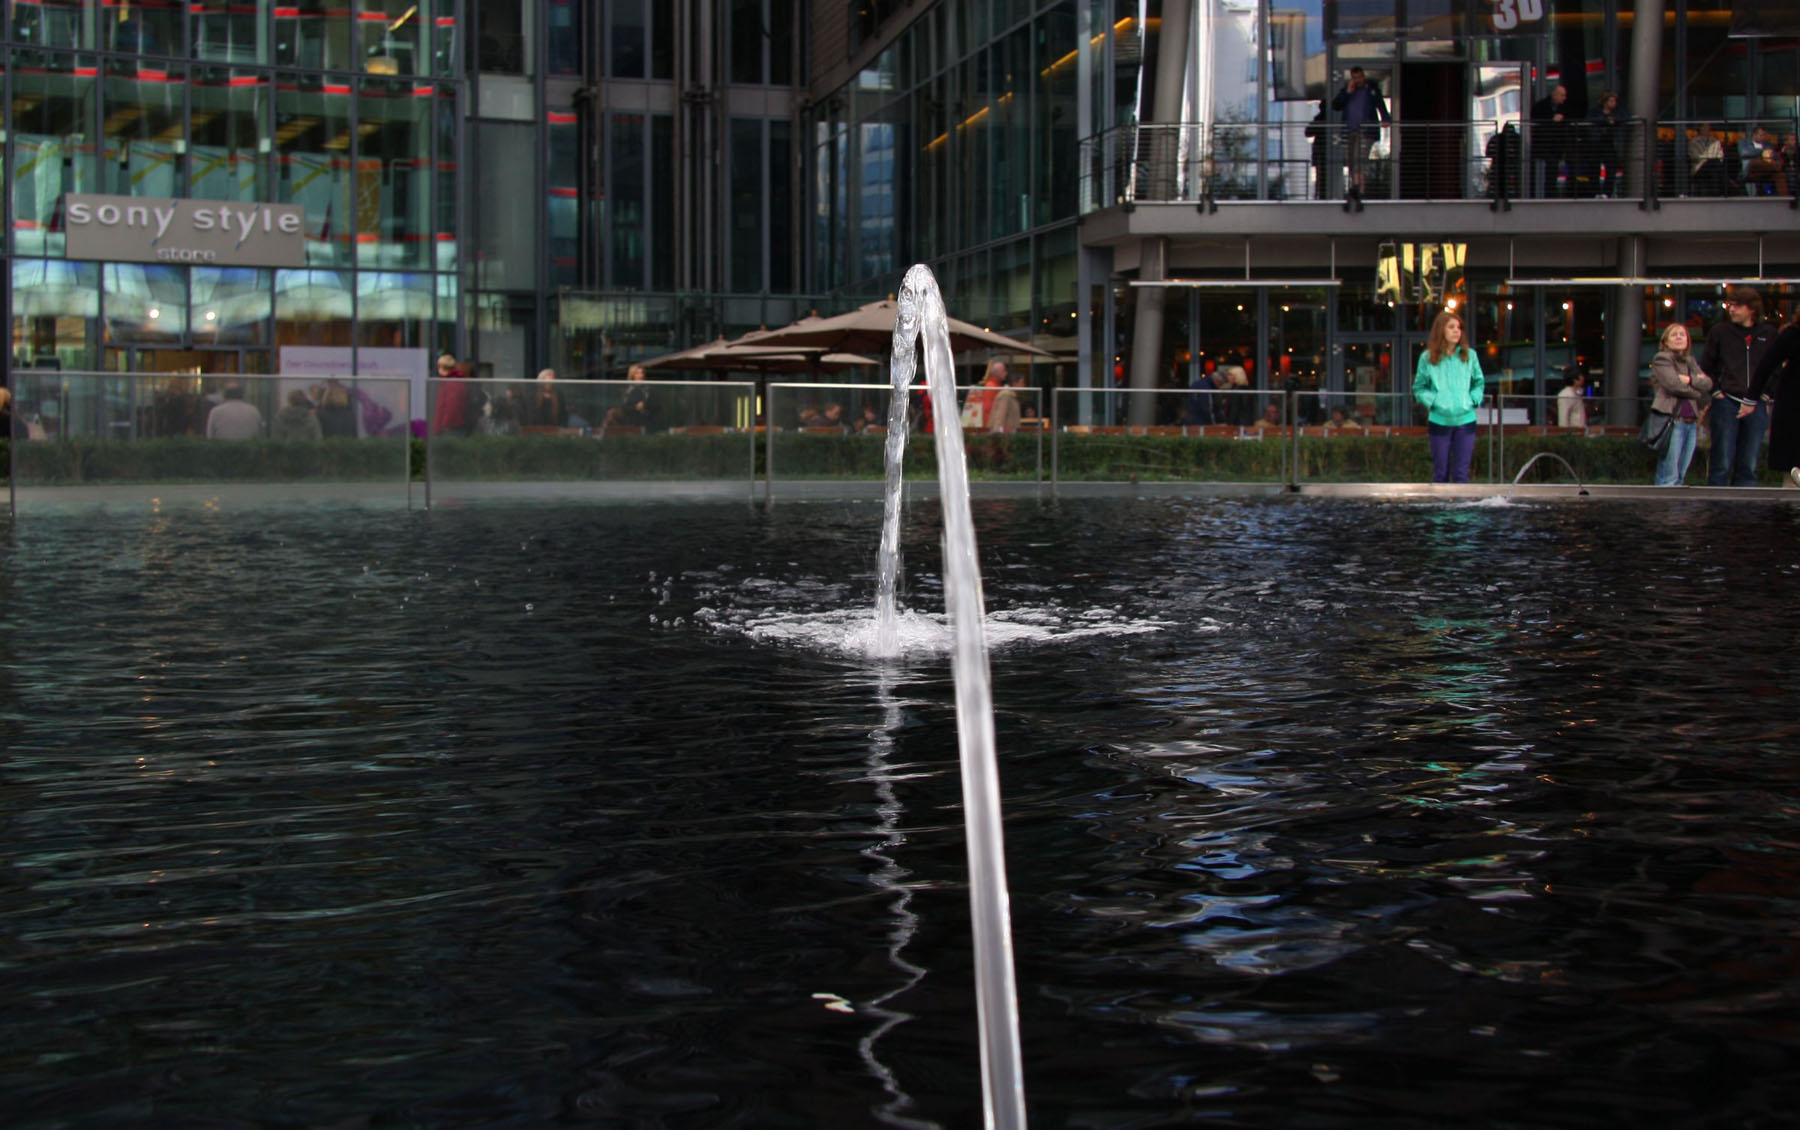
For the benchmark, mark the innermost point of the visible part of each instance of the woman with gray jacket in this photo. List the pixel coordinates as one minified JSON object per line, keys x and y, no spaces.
{"x":1681,"y":391}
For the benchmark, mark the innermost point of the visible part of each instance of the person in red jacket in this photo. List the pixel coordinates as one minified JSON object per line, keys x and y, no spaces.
{"x":450,"y":412}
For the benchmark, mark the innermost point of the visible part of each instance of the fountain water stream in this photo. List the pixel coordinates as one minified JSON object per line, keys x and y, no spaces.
{"x":922,"y":314}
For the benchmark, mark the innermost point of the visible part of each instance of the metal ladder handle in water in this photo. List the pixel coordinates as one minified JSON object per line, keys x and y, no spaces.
{"x":1579,"y":489}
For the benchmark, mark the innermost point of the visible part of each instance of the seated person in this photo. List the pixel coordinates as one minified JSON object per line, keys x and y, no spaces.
{"x":1271,"y":416}
{"x":1762,"y":164}
{"x":1342,"y":421}
{"x":1706,"y":163}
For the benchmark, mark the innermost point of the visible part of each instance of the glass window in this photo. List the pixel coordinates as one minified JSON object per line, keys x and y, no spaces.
{"x":52,"y":120}
{"x":502,"y":45}
{"x":225,"y":31}
{"x":228,"y":132}
{"x":625,"y":201}
{"x":781,"y":204}
{"x":1054,"y":195}
{"x":876,"y":194}
{"x":625,"y":38}
{"x":141,"y":29}
{"x":395,"y":310}
{"x":445,"y":163}
{"x":312,"y":307}
{"x":564,"y":203}
{"x":393,"y":175}
{"x":314,"y":35}
{"x":747,"y":38}
{"x":562,"y":53}
{"x":55,"y":308}
{"x":505,"y":253}
{"x":145,"y":303}
{"x":747,"y":250}
{"x":54,"y":23}
{"x":781,"y":43}
{"x":231,"y":305}
{"x":312,"y":163}
{"x":662,"y":45}
{"x":392,"y":37}
{"x":1010,"y":111}
{"x":662,"y":194}
{"x":143,"y":135}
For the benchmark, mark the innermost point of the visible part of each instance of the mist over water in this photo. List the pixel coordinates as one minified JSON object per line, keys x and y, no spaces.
{"x":1320,"y":813}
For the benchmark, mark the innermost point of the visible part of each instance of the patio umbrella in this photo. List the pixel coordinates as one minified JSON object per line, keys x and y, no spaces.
{"x":870,"y":329}
{"x":720,"y":355}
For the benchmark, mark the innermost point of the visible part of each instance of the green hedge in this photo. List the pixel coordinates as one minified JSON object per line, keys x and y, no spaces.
{"x":585,"y":458}
{"x":192,"y":459}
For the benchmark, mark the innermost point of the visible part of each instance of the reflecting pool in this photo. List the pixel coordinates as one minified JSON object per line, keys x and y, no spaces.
{"x":1321,"y":813}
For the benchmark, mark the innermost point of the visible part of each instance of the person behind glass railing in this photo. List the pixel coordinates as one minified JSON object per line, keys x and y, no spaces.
{"x":1448,"y":384}
{"x":635,"y":407}
{"x":6,"y":415}
{"x":296,"y":420}
{"x":1779,"y":372}
{"x":337,"y":415}
{"x":545,"y":408}
{"x":1571,"y":402}
{"x":450,"y":412}
{"x":234,"y":417}
{"x":1681,"y":389}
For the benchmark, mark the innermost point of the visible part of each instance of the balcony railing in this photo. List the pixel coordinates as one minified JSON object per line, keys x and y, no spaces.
{"x":1492,"y":161}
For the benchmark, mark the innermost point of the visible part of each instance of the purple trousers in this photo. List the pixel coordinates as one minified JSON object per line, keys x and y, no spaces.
{"x":1451,"y":450}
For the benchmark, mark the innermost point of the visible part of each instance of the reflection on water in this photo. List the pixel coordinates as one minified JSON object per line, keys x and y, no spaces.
{"x":1320,"y":813}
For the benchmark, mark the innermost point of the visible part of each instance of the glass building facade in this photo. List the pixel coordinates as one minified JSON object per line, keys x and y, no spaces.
{"x":1154,"y":188}
{"x":519,"y":182}
{"x":352,"y":114}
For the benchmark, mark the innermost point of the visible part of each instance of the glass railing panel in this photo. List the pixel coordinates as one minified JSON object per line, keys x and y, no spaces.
{"x":498,"y":431}
{"x":838,"y":431}
{"x":104,"y":436}
{"x":1223,"y":435}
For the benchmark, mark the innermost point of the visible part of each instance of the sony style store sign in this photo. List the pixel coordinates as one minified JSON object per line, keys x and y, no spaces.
{"x":157,"y":229}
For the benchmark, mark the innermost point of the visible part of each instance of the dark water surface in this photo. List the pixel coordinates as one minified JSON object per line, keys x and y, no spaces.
{"x":1321,"y":814}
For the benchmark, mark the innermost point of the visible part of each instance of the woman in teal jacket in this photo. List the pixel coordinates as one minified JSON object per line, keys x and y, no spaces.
{"x":1448,"y":384}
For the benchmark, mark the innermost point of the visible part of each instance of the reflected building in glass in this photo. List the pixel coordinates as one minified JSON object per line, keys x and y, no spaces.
{"x":1156,"y":188}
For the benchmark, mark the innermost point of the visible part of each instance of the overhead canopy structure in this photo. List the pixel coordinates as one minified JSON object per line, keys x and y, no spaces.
{"x":870,"y":329}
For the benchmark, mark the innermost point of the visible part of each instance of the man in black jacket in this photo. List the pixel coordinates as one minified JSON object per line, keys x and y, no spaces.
{"x":1738,"y":422}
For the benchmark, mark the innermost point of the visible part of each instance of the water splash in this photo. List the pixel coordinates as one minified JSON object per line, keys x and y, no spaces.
{"x":922,"y":314}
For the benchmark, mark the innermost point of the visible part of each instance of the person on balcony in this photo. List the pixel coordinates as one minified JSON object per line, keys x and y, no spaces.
{"x":1763,"y":170}
{"x":1550,"y":139}
{"x":1604,"y":130}
{"x":1364,"y":112}
{"x":1706,"y":162}
{"x":1320,"y":131}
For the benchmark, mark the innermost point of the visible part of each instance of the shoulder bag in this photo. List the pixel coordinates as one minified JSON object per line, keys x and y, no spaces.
{"x":1658,"y":430}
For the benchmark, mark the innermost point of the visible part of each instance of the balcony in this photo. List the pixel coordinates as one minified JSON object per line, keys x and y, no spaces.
{"x":1480,"y":177}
